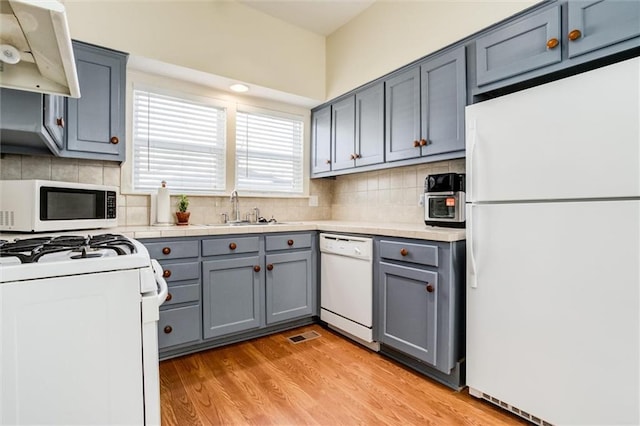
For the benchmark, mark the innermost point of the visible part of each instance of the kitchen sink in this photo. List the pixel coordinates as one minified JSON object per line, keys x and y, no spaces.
{"x":234,"y":224}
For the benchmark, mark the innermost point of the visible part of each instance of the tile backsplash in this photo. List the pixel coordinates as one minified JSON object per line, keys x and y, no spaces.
{"x":389,"y":195}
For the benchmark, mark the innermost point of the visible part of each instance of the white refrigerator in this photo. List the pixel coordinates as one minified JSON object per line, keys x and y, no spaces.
{"x":553,"y":249}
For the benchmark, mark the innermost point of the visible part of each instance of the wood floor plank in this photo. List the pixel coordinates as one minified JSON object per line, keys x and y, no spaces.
{"x":325,"y":381}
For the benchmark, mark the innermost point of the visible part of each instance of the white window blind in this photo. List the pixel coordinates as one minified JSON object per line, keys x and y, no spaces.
{"x":268,"y":152}
{"x":181,"y":141}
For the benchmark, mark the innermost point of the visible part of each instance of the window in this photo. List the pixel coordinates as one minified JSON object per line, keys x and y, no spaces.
{"x":181,"y":141}
{"x":268,"y":152}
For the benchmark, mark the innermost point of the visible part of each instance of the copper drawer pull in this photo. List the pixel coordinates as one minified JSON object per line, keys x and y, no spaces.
{"x":404,"y":251}
{"x":168,"y":329}
{"x":328,"y":162}
{"x":269,"y":267}
{"x":60,"y":122}
{"x":430,"y":288}
{"x":114,"y":140}
{"x":166,"y":273}
{"x":256,"y":268}
{"x":423,"y":142}
{"x":416,"y":144}
{"x":232,"y":246}
{"x":289,"y":243}
{"x":169,"y":297}
{"x":166,"y":250}
{"x":552,"y":43}
{"x":574,"y":35}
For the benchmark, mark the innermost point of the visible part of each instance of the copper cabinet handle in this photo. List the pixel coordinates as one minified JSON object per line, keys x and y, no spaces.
{"x":166,"y":250}
{"x":574,"y":35}
{"x":289,"y":243}
{"x":166,"y":273}
{"x":168,"y":329}
{"x":430,"y":288}
{"x":232,"y":246}
{"x":352,"y":156}
{"x":269,"y":267}
{"x":60,"y":122}
{"x":256,"y":268}
{"x":423,"y":142}
{"x":404,"y":251}
{"x":114,"y":140}
{"x":416,"y":144}
{"x":358,"y":156}
{"x":328,"y":162}
{"x":169,"y":297}
{"x":552,"y":43}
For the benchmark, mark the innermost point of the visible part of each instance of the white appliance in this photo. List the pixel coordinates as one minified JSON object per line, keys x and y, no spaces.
{"x":35,"y":48}
{"x":346,"y":286}
{"x":553,"y":249}
{"x":78,"y":331}
{"x":44,"y":205}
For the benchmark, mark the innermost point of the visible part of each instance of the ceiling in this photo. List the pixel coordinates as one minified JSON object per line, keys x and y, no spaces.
{"x":319,"y":16}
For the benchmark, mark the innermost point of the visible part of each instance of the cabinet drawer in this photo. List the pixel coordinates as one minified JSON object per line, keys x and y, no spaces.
{"x":177,"y":326}
{"x":172,"y":249}
{"x":180,"y":271}
{"x":182,"y":294}
{"x":283,"y":242}
{"x":230,"y":246}
{"x":409,"y":252}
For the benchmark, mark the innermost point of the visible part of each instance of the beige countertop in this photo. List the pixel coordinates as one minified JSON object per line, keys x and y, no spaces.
{"x":403,"y":230}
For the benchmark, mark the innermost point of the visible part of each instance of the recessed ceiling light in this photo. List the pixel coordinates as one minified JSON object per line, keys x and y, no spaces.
{"x":239,"y":87}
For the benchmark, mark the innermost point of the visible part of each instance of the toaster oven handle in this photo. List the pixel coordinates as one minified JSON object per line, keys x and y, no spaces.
{"x":164,"y":289}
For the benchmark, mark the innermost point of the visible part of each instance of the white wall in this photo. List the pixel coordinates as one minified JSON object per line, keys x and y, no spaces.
{"x":219,"y":37}
{"x":393,"y":33}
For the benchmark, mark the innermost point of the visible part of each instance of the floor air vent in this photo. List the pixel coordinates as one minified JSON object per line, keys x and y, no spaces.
{"x":299,"y":338}
{"x":506,"y":406}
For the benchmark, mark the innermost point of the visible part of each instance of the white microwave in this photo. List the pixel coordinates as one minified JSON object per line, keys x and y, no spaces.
{"x":43,"y":205}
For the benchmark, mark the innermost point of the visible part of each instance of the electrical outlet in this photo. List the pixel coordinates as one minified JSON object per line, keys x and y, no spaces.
{"x":313,"y":201}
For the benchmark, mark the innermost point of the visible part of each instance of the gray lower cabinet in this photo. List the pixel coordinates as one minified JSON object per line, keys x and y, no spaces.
{"x":289,"y":286}
{"x":232,"y":297}
{"x":419,"y":288}
{"x":425,"y":108}
{"x":321,"y":140}
{"x":180,"y":315}
{"x":96,"y":121}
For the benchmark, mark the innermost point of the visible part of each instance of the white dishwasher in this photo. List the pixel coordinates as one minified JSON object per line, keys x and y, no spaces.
{"x":346,"y":286}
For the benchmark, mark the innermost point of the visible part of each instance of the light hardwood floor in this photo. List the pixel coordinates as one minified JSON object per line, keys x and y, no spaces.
{"x":325,"y":381}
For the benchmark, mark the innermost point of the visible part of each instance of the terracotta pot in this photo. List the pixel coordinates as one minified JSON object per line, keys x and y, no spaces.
{"x":183,"y":218}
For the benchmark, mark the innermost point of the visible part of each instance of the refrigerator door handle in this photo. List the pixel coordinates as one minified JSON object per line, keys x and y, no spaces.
{"x":473,"y":132}
{"x":472,"y":277}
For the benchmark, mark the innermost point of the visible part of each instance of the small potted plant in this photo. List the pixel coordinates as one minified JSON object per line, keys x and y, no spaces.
{"x":182,"y":214}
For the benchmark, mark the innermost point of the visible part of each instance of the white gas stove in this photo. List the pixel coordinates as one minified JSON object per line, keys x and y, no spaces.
{"x":78,"y":331}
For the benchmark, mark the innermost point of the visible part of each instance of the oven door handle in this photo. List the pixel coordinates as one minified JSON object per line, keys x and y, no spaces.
{"x":164,"y":288}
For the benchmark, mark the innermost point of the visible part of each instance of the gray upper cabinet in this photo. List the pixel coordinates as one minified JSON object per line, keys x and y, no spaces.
{"x":369,"y":148}
{"x":596,"y":24}
{"x":343,"y":133}
{"x":444,"y":96}
{"x":519,"y":47}
{"x":402,"y":115}
{"x":55,"y":115}
{"x":96,"y":121}
{"x":321,"y":140}
{"x":231,"y":295}
{"x":425,"y":108}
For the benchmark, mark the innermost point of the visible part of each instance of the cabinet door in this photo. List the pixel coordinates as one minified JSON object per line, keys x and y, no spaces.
{"x":409,"y":310}
{"x":444,"y":95}
{"x":402,"y":115}
{"x":231,"y":295}
{"x":519,"y":47}
{"x":321,"y":140}
{"x":96,"y":120}
{"x":601,"y":23}
{"x":55,"y":115}
{"x":343,"y":133}
{"x":289,"y":286}
{"x":369,"y":148}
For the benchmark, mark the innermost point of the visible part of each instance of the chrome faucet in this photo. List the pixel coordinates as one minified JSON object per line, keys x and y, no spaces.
{"x":235,"y":210}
